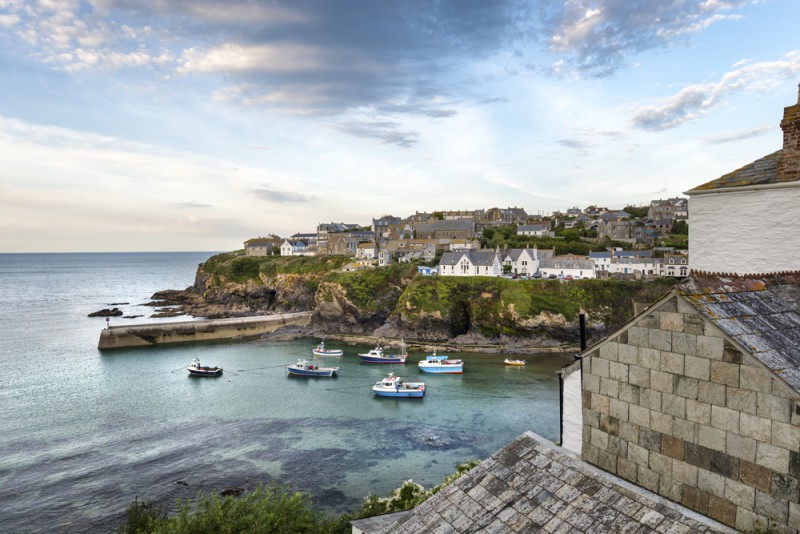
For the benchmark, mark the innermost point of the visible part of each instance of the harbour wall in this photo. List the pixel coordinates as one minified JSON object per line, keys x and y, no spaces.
{"x":145,"y":335}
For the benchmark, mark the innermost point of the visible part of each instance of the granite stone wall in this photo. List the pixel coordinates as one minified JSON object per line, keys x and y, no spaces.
{"x":672,"y":405}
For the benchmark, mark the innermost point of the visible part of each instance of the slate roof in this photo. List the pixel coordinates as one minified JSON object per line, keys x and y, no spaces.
{"x":532,"y":485}
{"x":446,"y":226}
{"x":451,"y":258}
{"x":762,"y":313}
{"x":761,"y":171}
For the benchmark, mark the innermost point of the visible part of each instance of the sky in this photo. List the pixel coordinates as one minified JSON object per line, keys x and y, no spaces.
{"x":180,"y":125}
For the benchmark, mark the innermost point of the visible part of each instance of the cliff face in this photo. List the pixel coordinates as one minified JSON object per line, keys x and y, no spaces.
{"x":393,"y":302}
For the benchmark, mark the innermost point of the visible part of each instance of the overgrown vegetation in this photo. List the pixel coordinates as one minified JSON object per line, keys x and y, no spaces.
{"x":569,"y":243}
{"x":374,"y":289}
{"x":240,"y":269}
{"x":270,"y":509}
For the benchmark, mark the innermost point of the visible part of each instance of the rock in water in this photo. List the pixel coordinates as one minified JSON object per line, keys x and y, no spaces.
{"x":105,"y":312}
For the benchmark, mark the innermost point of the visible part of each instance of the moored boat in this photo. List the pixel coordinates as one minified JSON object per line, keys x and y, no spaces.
{"x":377,"y":355}
{"x":320,"y":350}
{"x":195,"y":369}
{"x":441,"y":364}
{"x":394,"y":386}
{"x":305,"y":368}
{"x":517,"y":363}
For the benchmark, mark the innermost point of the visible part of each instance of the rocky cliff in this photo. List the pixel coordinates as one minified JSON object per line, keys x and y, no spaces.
{"x":394,"y":302}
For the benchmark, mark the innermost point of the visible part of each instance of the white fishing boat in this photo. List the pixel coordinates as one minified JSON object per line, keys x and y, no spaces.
{"x":304,"y":367}
{"x":394,"y":386}
{"x":377,"y":355}
{"x":441,"y":364}
{"x":320,"y":350}
{"x":195,"y":369}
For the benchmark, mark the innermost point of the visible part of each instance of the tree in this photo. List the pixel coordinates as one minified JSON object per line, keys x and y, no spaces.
{"x":680,"y":227}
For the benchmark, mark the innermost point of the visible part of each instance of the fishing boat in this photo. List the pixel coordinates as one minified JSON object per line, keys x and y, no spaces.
{"x":320,"y":350}
{"x":376,"y":355}
{"x":517,"y":363}
{"x":441,"y":364}
{"x":304,"y":367}
{"x":195,"y":369}
{"x":394,"y":386}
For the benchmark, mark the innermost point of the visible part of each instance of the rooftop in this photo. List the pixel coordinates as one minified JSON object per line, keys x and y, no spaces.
{"x":533,"y":485}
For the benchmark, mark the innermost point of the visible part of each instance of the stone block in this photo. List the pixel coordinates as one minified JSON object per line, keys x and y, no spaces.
{"x":650,"y":399}
{"x":785,"y":435}
{"x":724,"y":465}
{"x":694,"y":499}
{"x":755,"y":476}
{"x":685,"y":473}
{"x":794,"y":516}
{"x":683,"y":306}
{"x":785,"y":487}
{"x":589,"y":453}
{"x":627,"y":469}
{"x":647,"y":478}
{"x":683,"y":343}
{"x":618,"y":371}
{"x":669,"y":488}
{"x":661,"y":422}
{"x":712,"y":330}
{"x":795,"y":412}
{"x":638,"y":415}
{"x":607,"y":461}
{"x":673,"y":405}
{"x":609,"y":424}
{"x":685,"y":430}
{"x":758,"y":428}
{"x":722,"y":510}
{"x":591,"y":382}
{"x":649,"y":320}
{"x":629,"y":432}
{"x":740,"y":446}
{"x":699,"y":368}
{"x":661,"y":381}
{"x":617,"y":446}
{"x":698,"y":412}
{"x":671,"y":321}
{"x":586,"y":398}
{"x":628,"y":393}
{"x":775,"y":509}
{"x":772,"y":457}
{"x":694,"y":324}
{"x":649,"y":358}
{"x":731,"y":354}
{"x":600,"y":367}
{"x":600,"y":403}
{"x":742,"y":400}
{"x":669,"y":306}
{"x":685,"y":386}
{"x":618,"y":409}
{"x":629,"y":354}
{"x":747,"y":521}
{"x":794,"y":464}
{"x":725,"y":373}
{"x":591,"y":418}
{"x":672,"y":446}
{"x":712,"y":393}
{"x":713,"y":438}
{"x":638,"y":336}
{"x":660,"y":339}
{"x":672,"y":362}
{"x":650,"y":440}
{"x":698,"y":456}
{"x":610,"y":351}
{"x":638,"y":455}
{"x":661,"y":464}
{"x":740,"y":494}
{"x":724,"y":419}
{"x":609,"y":387}
{"x":710,"y":347}
{"x":774,"y":407}
{"x":639,"y":376}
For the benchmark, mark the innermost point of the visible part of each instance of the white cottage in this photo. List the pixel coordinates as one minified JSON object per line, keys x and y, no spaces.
{"x":470,"y":263}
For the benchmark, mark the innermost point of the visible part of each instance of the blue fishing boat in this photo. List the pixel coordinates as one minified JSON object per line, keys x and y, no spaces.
{"x":305,"y":368}
{"x":376,"y":355}
{"x":441,"y":364}
{"x":394,"y":386}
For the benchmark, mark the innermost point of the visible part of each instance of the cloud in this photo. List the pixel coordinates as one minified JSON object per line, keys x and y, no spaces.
{"x":696,"y":100}
{"x":385,"y":131}
{"x":740,"y":136}
{"x":191,"y":204}
{"x":595,"y":37}
{"x":574,"y":143}
{"x":273,"y":195}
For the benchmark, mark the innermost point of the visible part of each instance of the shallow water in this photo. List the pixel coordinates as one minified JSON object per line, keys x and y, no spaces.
{"x":83,"y":433}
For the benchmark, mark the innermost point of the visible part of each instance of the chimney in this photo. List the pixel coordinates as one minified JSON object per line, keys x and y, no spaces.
{"x":789,"y":162}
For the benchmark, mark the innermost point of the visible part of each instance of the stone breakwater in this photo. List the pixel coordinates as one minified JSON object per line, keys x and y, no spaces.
{"x":118,"y":337}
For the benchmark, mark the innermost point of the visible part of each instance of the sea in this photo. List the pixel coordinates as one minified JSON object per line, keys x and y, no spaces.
{"x":84,"y":433}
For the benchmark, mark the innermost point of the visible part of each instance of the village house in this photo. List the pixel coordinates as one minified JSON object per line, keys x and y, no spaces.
{"x":520,"y":261}
{"x":294,"y":248}
{"x":675,"y":265}
{"x":341,"y":245}
{"x":671,"y":208}
{"x":470,"y":263}
{"x":452,"y":229}
{"x":537,"y":230}
{"x":380,"y":227}
{"x":331,"y":228}
{"x":472,"y":215}
{"x":262,"y":246}
{"x":367,"y":251}
{"x":567,"y":265}
{"x":506,"y":215}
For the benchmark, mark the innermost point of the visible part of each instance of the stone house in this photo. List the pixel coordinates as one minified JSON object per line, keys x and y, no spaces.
{"x":452,"y":229}
{"x":506,"y":215}
{"x":262,"y":246}
{"x":341,"y":245}
{"x":672,"y":208}
{"x":675,"y":265}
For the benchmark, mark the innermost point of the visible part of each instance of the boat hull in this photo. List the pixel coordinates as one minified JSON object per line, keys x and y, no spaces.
{"x":382,"y":359}
{"x":211,"y":374}
{"x":400,"y":394}
{"x":324,"y":372}
{"x":326,"y":352}
{"x":442,"y":369}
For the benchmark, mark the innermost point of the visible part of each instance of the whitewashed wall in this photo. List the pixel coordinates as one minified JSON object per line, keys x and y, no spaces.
{"x":572,"y":437}
{"x":746,"y":231}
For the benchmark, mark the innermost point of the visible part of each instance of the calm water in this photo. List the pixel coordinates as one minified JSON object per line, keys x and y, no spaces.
{"x":83,"y":433}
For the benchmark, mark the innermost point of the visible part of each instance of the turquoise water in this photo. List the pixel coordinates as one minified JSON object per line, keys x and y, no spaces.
{"x":83,"y":433}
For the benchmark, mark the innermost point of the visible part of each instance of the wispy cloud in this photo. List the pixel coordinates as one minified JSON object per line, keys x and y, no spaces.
{"x":385,"y":131}
{"x":274,"y":195}
{"x":191,"y":204}
{"x":737,"y":136}
{"x":696,"y":100}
